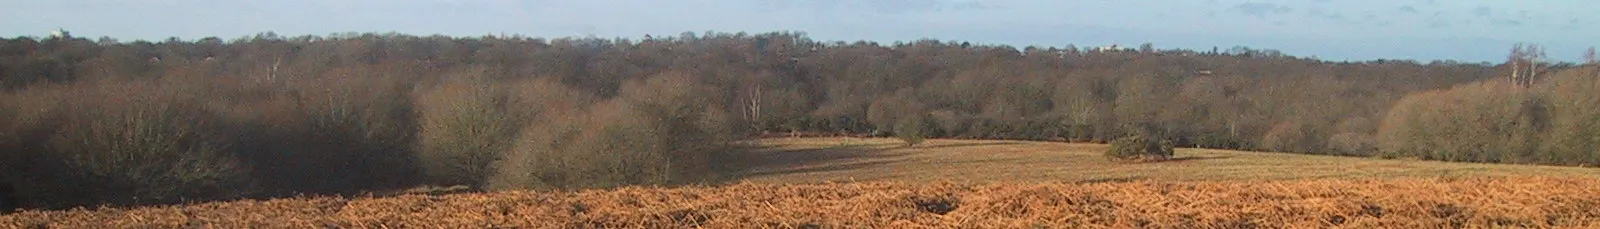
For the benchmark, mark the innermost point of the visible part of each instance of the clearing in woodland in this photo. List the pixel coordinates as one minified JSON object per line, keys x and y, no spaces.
{"x":808,"y":160}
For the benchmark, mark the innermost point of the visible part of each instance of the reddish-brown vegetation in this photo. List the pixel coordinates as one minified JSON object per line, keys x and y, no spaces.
{"x":1396,"y":203}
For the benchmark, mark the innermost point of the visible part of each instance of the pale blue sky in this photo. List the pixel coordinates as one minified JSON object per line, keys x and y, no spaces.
{"x":1478,"y":30}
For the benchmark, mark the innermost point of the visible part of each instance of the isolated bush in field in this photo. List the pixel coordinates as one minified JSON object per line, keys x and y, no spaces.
{"x":465,"y":126}
{"x":914,"y":129}
{"x":1140,"y":148}
{"x":121,"y":143}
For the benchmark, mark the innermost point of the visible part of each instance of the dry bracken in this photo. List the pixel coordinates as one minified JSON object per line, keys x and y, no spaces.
{"x":1538,"y":202}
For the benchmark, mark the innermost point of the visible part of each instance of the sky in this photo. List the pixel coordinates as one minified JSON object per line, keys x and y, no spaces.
{"x":1338,"y":30}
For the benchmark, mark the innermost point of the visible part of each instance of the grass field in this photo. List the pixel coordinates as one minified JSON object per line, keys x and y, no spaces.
{"x":806,"y":183}
{"x":808,"y":160}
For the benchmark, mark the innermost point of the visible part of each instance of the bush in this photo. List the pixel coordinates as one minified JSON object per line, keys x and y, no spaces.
{"x":547,"y":155}
{"x":1138,"y":148}
{"x":658,"y":131}
{"x":1353,"y":144}
{"x":465,"y":126}
{"x":1293,"y":136}
{"x":119,"y":144}
{"x":331,"y":135}
{"x":1483,"y":122}
{"x":913,"y":130}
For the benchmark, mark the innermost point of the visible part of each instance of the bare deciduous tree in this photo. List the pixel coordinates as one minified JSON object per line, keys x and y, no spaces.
{"x":752,"y":110}
{"x":1527,"y":61}
{"x":1589,"y":56}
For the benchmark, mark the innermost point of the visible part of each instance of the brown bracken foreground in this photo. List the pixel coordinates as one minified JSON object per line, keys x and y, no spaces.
{"x":1340,"y":203}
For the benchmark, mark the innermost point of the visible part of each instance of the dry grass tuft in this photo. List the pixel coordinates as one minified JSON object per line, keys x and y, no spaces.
{"x":1371,"y":203}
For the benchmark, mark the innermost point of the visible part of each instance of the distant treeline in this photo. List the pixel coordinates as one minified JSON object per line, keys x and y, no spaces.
{"x":106,"y":122}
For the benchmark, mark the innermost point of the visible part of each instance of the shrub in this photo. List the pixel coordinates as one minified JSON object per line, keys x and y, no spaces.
{"x":677,"y":121}
{"x":1139,"y":148}
{"x":1294,"y":136}
{"x":332,"y":135}
{"x":658,"y":131}
{"x":546,"y":155}
{"x":913,"y":130}
{"x":1481,"y":122}
{"x":465,"y":126}
{"x":948,"y":123}
{"x":120,"y":144}
{"x":1353,"y":144}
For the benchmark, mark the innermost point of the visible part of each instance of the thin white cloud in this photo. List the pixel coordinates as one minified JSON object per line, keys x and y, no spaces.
{"x":1325,"y":14}
{"x":1260,"y":9}
{"x":885,"y":6}
{"x":1483,"y":11}
{"x":1409,"y":9}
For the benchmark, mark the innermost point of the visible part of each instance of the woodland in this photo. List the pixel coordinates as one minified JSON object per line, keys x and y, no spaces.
{"x":104,"y":122}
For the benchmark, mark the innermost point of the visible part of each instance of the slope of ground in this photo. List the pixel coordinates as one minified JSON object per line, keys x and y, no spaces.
{"x":1386,"y":203}
{"x":959,"y":184}
{"x":808,"y":160}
